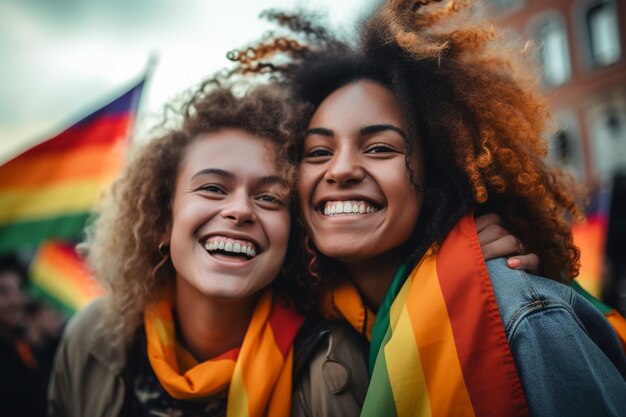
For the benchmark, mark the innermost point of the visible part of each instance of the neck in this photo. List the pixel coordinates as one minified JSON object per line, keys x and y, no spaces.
{"x":373,"y":278}
{"x":210,"y":326}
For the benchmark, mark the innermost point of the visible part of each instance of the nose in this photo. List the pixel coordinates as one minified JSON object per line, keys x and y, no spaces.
{"x":345,"y":167}
{"x":238,"y":209}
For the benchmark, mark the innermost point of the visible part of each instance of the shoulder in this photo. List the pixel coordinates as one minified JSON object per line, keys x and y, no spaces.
{"x":330,"y":375}
{"x":562,"y":346}
{"x":87,"y":369}
{"x":84,"y":323}
{"x":520,"y":294}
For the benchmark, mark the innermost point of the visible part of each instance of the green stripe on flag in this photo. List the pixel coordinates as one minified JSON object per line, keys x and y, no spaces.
{"x":18,"y":235}
{"x":379,"y":400}
{"x":41,"y":293}
{"x":593,"y":300}
{"x":381,"y":325}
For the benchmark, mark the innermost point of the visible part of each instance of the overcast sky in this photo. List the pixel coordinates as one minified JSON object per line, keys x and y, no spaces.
{"x":61,"y":59}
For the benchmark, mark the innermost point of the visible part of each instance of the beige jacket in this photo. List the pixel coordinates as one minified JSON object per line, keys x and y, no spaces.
{"x":88,"y":376}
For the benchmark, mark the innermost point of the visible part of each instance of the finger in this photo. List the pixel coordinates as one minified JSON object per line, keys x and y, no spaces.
{"x":485,"y":220}
{"x":529,"y":262}
{"x":504,"y":246}
{"x":492,"y":233}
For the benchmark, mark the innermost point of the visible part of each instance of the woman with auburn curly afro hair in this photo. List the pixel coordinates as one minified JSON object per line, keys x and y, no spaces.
{"x":431,"y":117}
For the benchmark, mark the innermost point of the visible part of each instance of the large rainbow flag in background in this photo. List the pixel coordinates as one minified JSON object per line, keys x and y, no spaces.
{"x":49,"y":191}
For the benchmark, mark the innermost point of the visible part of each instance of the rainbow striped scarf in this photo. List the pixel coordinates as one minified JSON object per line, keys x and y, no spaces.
{"x":257,"y":375}
{"x":438,"y":345}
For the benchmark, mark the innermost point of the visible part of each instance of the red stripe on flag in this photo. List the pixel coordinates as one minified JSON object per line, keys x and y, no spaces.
{"x":109,"y":129}
{"x":285,"y":322}
{"x":486,"y":359}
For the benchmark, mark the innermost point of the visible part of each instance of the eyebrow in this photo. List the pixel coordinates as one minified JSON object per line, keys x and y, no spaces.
{"x":214,"y":171}
{"x":367,"y":130}
{"x":320,"y":131}
{"x":267,"y":180}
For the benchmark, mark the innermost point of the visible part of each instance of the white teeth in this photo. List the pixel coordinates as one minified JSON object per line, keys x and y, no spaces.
{"x":229,"y":245}
{"x":348,"y":207}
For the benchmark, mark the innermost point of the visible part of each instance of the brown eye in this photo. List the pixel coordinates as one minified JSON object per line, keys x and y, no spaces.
{"x":380,"y":148}
{"x":317,"y":153}
{"x":211,"y":188}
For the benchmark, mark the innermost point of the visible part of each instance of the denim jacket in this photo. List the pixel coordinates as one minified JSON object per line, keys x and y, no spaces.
{"x":568,"y":358}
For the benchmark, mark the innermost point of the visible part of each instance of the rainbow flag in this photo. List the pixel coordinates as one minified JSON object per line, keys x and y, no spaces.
{"x":59,"y":276}
{"x":438,"y":345}
{"x":48,"y":191}
{"x":590,"y":237}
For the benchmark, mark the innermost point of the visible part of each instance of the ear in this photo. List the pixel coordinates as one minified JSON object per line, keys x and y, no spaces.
{"x":166,"y":237}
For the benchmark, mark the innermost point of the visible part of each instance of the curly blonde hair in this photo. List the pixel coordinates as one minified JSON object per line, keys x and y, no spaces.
{"x":122,"y":244}
{"x":472,"y":97}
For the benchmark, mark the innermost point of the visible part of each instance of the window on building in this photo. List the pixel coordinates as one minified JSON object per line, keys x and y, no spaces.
{"x":554,"y":52}
{"x":603,"y":33}
{"x":566,"y":149}
{"x":563,"y":147}
{"x":608,"y":137}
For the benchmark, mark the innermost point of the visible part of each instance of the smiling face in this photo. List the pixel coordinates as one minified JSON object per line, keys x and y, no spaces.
{"x":356,"y":197}
{"x":11,"y":301}
{"x":230,"y":218}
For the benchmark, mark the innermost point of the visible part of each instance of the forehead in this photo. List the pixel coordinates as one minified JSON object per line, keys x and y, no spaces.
{"x":364,"y":101}
{"x":9,"y":279}
{"x":233,"y":150}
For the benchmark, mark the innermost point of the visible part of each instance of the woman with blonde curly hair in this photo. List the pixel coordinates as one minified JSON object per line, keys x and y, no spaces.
{"x":431,"y":118}
{"x":190,"y":243}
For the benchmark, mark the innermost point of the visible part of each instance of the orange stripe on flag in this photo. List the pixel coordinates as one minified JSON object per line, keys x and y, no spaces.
{"x":436,"y":343}
{"x":97,"y":162}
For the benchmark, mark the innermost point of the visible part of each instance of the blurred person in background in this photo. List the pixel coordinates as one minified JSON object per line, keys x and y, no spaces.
{"x":22,"y":392}
{"x":44,"y":326}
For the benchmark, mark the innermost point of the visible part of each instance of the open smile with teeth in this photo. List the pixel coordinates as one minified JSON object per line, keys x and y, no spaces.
{"x":335,"y":208}
{"x":230,"y":247}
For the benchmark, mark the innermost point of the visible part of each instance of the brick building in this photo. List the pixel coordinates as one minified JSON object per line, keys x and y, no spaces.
{"x":583,"y":53}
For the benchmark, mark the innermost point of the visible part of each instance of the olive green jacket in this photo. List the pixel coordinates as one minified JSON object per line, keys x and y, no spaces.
{"x":89,"y":379}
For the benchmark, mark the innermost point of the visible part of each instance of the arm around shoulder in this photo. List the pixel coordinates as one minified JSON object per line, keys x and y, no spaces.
{"x":565,"y":368}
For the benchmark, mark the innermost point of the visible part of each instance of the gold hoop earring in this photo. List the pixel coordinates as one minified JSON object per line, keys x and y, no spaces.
{"x":164,"y":249}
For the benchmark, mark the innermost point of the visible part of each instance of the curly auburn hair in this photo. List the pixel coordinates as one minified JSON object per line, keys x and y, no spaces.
{"x":472,"y":99}
{"x":122,"y":244}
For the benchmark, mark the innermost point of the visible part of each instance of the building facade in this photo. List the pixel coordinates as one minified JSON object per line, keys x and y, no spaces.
{"x":582,"y":49}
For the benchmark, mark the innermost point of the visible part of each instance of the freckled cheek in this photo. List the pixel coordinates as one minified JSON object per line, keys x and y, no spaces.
{"x":277,"y":230}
